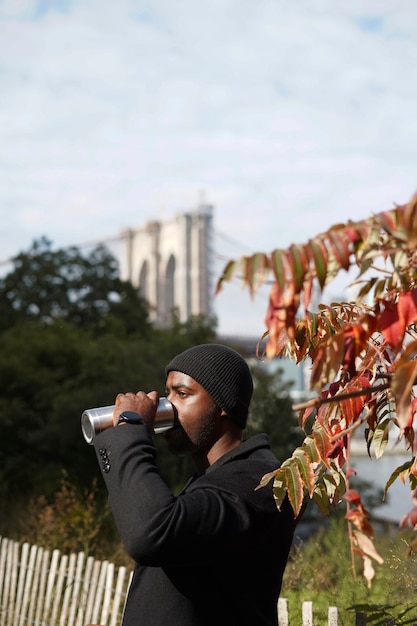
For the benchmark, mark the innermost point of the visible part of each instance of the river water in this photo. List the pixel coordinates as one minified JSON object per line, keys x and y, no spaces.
{"x":377,"y":472}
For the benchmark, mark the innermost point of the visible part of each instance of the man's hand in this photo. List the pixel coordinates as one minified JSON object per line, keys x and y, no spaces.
{"x":142,"y":403}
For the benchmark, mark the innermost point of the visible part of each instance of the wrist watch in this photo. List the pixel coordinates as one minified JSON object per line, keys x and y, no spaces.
{"x":129,"y":417}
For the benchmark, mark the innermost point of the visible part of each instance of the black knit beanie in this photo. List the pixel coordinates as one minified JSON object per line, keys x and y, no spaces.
{"x":223,"y":373}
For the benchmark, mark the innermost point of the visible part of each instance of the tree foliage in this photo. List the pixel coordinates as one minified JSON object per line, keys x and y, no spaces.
{"x":271,"y":412}
{"x":46,"y":285}
{"x":363,"y":355}
{"x":73,"y":335}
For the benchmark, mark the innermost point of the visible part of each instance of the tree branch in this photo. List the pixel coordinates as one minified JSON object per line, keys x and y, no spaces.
{"x":316,"y":402}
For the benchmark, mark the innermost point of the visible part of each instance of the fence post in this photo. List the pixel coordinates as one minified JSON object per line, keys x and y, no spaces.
{"x":48,"y":601}
{"x":42,"y":586}
{"x":333,"y":616}
{"x":4,"y":579}
{"x":118,"y":595}
{"x":58,"y":587}
{"x":99,"y":591}
{"x":12,"y":575}
{"x":360,"y":619}
{"x":108,"y":586}
{"x":282,"y":612}
{"x":34,"y":590}
{"x":76,"y":589}
{"x":27,"y":585}
{"x":308,"y":613}
{"x":68,"y":583}
{"x":24,"y":555}
{"x":82,"y":616}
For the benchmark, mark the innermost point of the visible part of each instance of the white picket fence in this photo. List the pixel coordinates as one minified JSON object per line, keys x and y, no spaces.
{"x":49,"y":589}
{"x":43,"y":588}
{"x":358,"y":619}
{"x":307,"y":614}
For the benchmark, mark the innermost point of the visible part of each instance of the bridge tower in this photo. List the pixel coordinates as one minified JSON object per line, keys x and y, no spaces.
{"x":171,"y":262}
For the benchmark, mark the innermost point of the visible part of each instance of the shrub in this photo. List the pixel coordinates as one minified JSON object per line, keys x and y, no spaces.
{"x":74,"y":521}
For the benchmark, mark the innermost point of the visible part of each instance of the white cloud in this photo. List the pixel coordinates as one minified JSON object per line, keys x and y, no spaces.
{"x":290,"y":116}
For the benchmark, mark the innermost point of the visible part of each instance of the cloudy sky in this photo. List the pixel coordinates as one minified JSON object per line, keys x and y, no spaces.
{"x":287,"y":116}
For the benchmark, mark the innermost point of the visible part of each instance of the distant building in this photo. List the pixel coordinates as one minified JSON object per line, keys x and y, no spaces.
{"x":171,"y":262}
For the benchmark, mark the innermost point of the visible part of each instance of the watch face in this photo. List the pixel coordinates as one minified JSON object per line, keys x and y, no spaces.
{"x":130,"y":417}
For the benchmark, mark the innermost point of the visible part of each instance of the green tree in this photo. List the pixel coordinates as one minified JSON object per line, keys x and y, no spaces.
{"x":86,"y":291}
{"x":50,"y":374}
{"x":271,"y":412}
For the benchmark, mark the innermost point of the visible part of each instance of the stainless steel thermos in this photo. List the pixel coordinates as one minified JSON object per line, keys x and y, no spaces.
{"x":94,"y":421}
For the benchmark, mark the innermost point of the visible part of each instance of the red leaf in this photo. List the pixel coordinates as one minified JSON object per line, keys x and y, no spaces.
{"x":227,"y":275}
{"x":352,"y":233}
{"x":308,"y":290}
{"x":360,"y":521}
{"x":320,"y":256}
{"x":401,"y":386}
{"x":275,"y":321}
{"x":396,"y":317}
{"x":392,"y":326}
{"x":410,"y":519}
{"x":278,"y":263}
{"x":388,"y":222}
{"x":322,"y":441}
{"x":255,"y":270}
{"x":353,"y":497}
{"x":352,"y":407}
{"x":338,"y":451}
{"x":304,"y":414}
{"x":299,"y":265}
{"x":340,"y":249}
{"x":407,"y":307}
{"x":294,"y":485}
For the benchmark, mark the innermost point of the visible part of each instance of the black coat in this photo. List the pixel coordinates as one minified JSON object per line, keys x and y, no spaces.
{"x":215,"y":554}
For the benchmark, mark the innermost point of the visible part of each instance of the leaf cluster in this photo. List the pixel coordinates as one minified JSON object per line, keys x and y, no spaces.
{"x":362,"y":355}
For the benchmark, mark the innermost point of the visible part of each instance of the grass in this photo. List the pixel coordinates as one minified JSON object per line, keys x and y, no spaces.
{"x":320,"y":570}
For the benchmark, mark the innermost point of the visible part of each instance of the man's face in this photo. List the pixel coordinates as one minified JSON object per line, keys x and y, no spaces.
{"x":198,"y":415}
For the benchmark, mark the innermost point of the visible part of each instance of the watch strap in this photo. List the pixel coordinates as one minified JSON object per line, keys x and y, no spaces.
{"x":129,"y":417}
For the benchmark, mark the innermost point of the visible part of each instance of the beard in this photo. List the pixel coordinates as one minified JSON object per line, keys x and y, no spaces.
{"x":181,"y":444}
